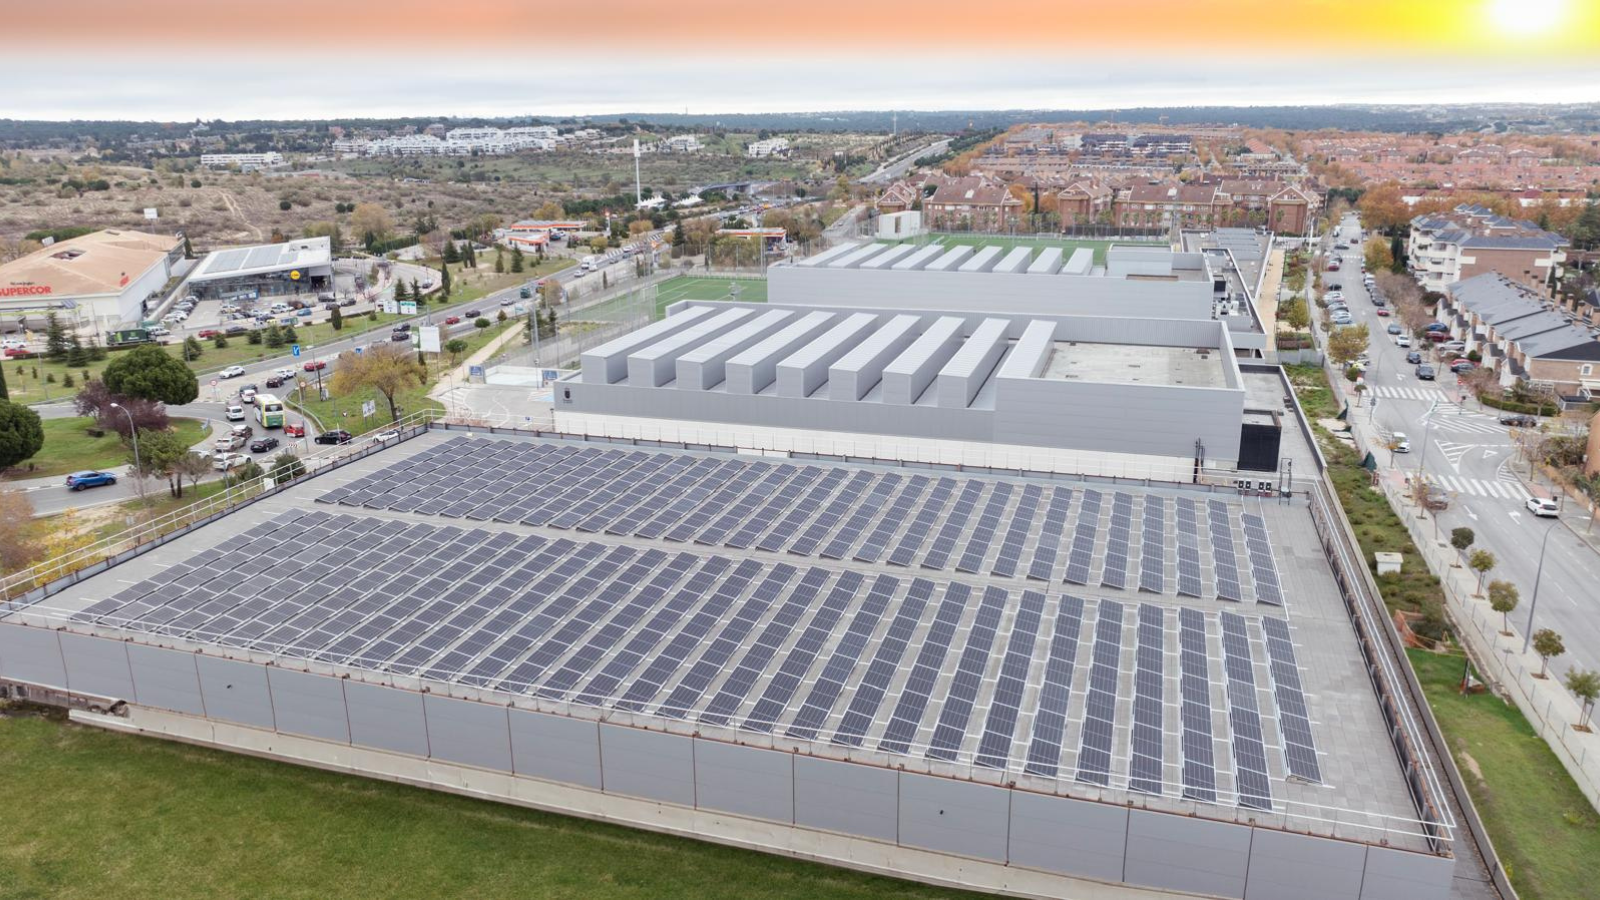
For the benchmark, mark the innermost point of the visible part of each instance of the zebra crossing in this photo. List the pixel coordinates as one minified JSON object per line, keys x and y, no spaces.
{"x":1426,"y":395}
{"x":1478,"y":487}
{"x":1446,"y":422}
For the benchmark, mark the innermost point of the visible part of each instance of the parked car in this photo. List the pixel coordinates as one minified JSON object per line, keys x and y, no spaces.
{"x":263,"y":444}
{"x":1413,"y":357}
{"x":336,"y":436}
{"x":315,"y":365}
{"x":1402,"y":340}
{"x":232,"y":372}
{"x":1425,"y":372}
{"x":222,"y":462}
{"x":295,"y":429}
{"x":206,"y":333}
{"x":1453,"y":345}
{"x":1462,"y":366}
{"x":236,"y":329}
{"x":234,"y":414}
{"x":1334,"y":295}
{"x":382,"y":436}
{"x":1333,"y":267}
{"x":1336,"y":286}
{"x":1438,"y":337}
{"x":1394,"y":328}
{"x":77,"y":481}
{"x":1518,"y":420}
{"x":1437,"y":326}
{"x":1543,"y":507}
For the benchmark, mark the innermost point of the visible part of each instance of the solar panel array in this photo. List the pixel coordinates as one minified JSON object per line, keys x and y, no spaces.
{"x":786,"y":643}
{"x":936,"y":523}
{"x":1262,"y":565}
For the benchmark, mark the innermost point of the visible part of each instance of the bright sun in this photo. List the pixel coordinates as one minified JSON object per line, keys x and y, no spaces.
{"x":1526,"y":17}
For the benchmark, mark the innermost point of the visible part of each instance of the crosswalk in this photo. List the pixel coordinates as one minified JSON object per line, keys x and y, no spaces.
{"x":1471,"y":423}
{"x":1426,"y":395}
{"x":1478,"y":487}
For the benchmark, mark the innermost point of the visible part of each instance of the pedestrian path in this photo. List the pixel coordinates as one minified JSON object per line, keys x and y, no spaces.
{"x":1478,"y":487}
{"x":1426,"y":395}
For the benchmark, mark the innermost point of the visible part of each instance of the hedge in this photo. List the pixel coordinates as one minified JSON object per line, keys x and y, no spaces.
{"x":1531,"y":409}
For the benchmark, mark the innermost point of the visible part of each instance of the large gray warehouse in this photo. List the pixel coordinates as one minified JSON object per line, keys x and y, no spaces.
{"x":1042,"y":686}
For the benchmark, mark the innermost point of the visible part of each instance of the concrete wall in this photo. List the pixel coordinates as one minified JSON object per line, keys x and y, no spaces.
{"x":859,"y":371}
{"x":470,"y":746}
{"x":705,"y":365}
{"x":937,"y":290}
{"x":608,"y":362}
{"x":806,"y":369}
{"x":753,"y":370}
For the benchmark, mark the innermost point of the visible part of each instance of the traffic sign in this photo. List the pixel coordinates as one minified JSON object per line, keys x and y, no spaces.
{"x":213,"y":382}
{"x":295,"y":350}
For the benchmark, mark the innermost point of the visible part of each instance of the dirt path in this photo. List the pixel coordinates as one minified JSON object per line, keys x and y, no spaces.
{"x":233,"y":207}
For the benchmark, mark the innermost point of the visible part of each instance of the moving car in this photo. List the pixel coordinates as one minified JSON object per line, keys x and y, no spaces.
{"x":1382,"y":312}
{"x":153,"y":331}
{"x":77,"y":481}
{"x":225,"y":461}
{"x":247,"y":394}
{"x":228,"y":442}
{"x":382,"y":436}
{"x":1400,"y":442}
{"x":236,"y":329}
{"x":274,"y":380}
{"x":1425,"y":372}
{"x":235,"y":414}
{"x":295,"y":429}
{"x":263,"y":444}
{"x":207,"y":333}
{"x":1403,"y":340}
{"x":232,"y":372}
{"x":1413,"y":357}
{"x":304,"y":313}
{"x":337,"y":436}
{"x":473,"y":313}
{"x":400,"y":336}
{"x":1518,"y":420}
{"x":452,"y":320}
{"x":1543,"y":507}
{"x":315,"y":365}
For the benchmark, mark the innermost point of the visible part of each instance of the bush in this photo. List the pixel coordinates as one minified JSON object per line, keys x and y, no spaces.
{"x":1532,"y":409}
{"x":285,"y":205}
{"x":481,"y":323}
{"x":253,"y":337}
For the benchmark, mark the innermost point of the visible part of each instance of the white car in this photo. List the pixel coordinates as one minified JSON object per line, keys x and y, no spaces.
{"x":1543,"y":506}
{"x":231,"y":372}
{"x":382,"y":436}
{"x":286,"y":373}
{"x":235,"y":414}
{"x":157,"y":331}
{"x":1334,"y":295}
{"x":1402,"y":340}
{"x":1401,"y":443}
{"x":225,"y":461}
{"x":174,"y":317}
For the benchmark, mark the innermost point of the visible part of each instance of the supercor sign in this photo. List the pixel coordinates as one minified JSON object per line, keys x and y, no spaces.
{"x":25,"y":290}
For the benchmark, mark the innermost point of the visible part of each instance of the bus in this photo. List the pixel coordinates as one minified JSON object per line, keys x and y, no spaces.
{"x":269,"y":411}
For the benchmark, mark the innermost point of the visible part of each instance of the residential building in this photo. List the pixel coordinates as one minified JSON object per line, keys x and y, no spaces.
{"x":899,"y":197}
{"x":1085,"y":202}
{"x":1445,"y":248}
{"x":1522,"y":334}
{"x":683,"y":143}
{"x":770,"y":147}
{"x":244,"y":161}
{"x":971,"y":203}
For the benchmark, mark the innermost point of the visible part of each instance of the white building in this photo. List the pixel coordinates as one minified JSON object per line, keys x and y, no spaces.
{"x":770,"y":147}
{"x":100,"y":280}
{"x":244,"y":161}
{"x":683,"y":143}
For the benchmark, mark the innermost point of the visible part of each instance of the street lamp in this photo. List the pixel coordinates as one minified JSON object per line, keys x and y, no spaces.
{"x":138,"y":468}
{"x":1533,"y":604}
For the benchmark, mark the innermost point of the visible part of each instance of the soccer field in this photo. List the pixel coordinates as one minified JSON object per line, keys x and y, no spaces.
{"x":698,"y":287}
{"x":1034,"y":243}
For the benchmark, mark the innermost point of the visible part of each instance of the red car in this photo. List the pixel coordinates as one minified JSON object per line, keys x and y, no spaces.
{"x":295,"y":429}
{"x":1382,"y":311}
{"x":208,"y":333}
{"x":1333,"y":267}
{"x":452,"y":320}
{"x":316,"y":365}
{"x":18,"y":351}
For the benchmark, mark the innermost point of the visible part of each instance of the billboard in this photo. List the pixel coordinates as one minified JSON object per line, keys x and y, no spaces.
{"x":430,"y":339}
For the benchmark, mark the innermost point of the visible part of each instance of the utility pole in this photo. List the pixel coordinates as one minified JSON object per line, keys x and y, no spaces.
{"x":138,"y":468}
{"x":638,"y":185}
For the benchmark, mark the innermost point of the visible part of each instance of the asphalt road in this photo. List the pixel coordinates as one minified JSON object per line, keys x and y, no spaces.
{"x":1467,"y":451}
{"x":898,"y":166}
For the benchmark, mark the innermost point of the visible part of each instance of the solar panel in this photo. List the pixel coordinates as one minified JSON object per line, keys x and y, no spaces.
{"x":835,"y":673}
{"x":1115,"y":571}
{"x":1055,"y":525}
{"x":715,"y":657}
{"x":767,"y":515}
{"x":900,"y":510}
{"x":1199,"y":764}
{"x":1145,"y":753}
{"x":1152,"y":561}
{"x":649,"y":682}
{"x":1299,"y":750}
{"x":983,"y":532}
{"x":786,"y":681}
{"x":744,"y":676}
{"x":963,"y":689}
{"x":1088,"y":528}
{"x":877,"y":498}
{"x":954,"y":524}
{"x":1189,"y":583}
{"x":905,"y":552}
{"x":828,"y":520}
{"x":1010,"y":556}
{"x":740,"y":511}
{"x":803,"y":511}
{"x":1244,"y":717}
{"x":1005,"y":707}
{"x":1055,"y":692}
{"x":918,"y":689}
{"x":874,"y":683}
{"x":1263,"y":567}
{"x":1099,"y":705}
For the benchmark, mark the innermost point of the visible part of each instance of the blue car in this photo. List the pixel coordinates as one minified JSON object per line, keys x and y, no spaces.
{"x":77,"y":481}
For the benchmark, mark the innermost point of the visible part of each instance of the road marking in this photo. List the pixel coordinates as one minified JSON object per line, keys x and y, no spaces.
{"x":1470,"y":514}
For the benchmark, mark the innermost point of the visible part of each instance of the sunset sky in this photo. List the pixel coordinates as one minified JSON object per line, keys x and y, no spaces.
{"x":224,"y":58}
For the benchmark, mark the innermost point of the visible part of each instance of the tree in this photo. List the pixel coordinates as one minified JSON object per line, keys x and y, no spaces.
{"x":1462,"y":538}
{"x":481,"y":322}
{"x":455,"y":347}
{"x":55,"y":337}
{"x":161,"y":455}
{"x":150,"y":373}
{"x":549,"y":211}
{"x":95,"y":400}
{"x":370,"y":222}
{"x":190,"y":467}
{"x":1345,"y":344}
{"x":21,"y":433}
{"x":400,"y":295}
{"x":1294,"y":314}
{"x":386,"y":370}
{"x":499,"y":261}
{"x":247,"y":472}
{"x":1585,"y":685}
{"x":416,"y":292}
{"x":1548,"y":645}
{"x":1481,"y":561}
{"x":450,"y":254}
{"x":289,"y":335}
{"x":1397,"y":255}
{"x":1377,"y":255}
{"x":273,"y":336}
{"x":19,"y":547}
{"x":1383,"y":207}
{"x":286,"y":467}
{"x":188,"y":251}
{"x":336,"y":319}
{"x":516,"y":259}
{"x":76,"y":356}
{"x":192,"y":348}
{"x":219,"y":341}
{"x":5,"y":393}
{"x":444,"y":282}
{"x":1503,"y":598}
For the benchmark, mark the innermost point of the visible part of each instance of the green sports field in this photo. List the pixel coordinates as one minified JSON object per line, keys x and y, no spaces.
{"x":699,"y":287}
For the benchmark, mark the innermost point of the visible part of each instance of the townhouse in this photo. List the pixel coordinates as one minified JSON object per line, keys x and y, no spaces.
{"x":1445,"y":248}
{"x":1522,"y":335}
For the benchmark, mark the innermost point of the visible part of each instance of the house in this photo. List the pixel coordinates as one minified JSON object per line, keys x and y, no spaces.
{"x":971,"y":203}
{"x":1521,"y":334}
{"x":901,"y":196}
{"x":1085,"y":202}
{"x":1445,"y":248}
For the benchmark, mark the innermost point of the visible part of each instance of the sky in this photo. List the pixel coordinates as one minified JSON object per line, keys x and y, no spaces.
{"x":185,"y":59}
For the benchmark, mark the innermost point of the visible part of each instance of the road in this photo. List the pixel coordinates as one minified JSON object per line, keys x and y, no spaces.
{"x":1464,"y":449}
{"x":900,"y":165}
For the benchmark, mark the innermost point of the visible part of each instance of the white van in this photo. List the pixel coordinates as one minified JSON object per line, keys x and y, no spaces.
{"x":589,"y":263}
{"x":279,"y":308}
{"x":1400,"y":442}
{"x":235,"y":414}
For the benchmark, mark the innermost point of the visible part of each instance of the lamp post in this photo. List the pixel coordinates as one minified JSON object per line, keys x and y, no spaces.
{"x":138,"y":468}
{"x":1533,"y":604}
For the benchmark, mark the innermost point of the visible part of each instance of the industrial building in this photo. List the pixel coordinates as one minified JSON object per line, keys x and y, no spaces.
{"x":1040,"y":686}
{"x":99,"y":281}
{"x":300,"y":266}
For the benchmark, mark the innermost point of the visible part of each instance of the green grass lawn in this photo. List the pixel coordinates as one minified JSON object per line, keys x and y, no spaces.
{"x":682,"y":287}
{"x":1546,"y":833}
{"x":93,"y":814}
{"x":69,"y":448}
{"x":1067,"y":245}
